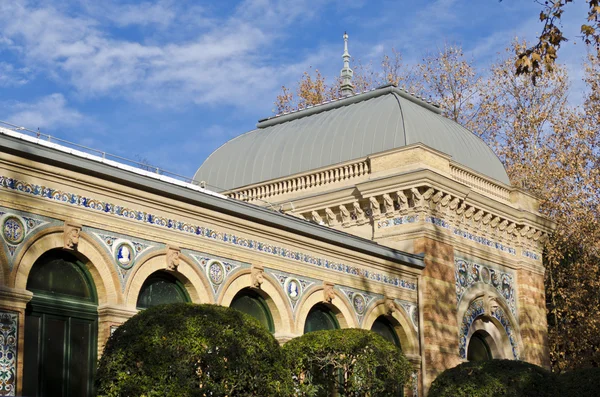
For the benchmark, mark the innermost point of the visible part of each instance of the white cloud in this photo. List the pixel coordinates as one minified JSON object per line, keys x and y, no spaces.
{"x":11,"y":76}
{"x":226,"y":64}
{"x":50,"y":111}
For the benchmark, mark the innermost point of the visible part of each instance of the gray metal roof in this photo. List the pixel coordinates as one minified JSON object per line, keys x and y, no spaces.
{"x":347,"y":129}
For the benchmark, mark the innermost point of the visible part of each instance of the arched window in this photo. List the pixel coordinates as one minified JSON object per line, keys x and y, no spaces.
{"x":251,"y":303}
{"x":479,"y":350}
{"x":320,"y":318}
{"x":61,"y":326}
{"x":161,"y":288}
{"x":384,"y":327}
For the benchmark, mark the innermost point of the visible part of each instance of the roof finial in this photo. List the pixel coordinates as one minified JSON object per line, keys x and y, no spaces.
{"x":346,"y":73}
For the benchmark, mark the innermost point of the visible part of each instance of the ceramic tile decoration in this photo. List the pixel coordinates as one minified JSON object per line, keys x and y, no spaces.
{"x":293,"y":285}
{"x":124,"y":251}
{"x":499,"y":314}
{"x":475,"y":310}
{"x":469,"y":273}
{"x":9,"y":328}
{"x":412,"y":311}
{"x":359,"y":300}
{"x":470,"y":236}
{"x":415,"y":384}
{"x":401,"y":220}
{"x":15,"y":228}
{"x":92,"y":204}
{"x":217,"y":270}
{"x":530,"y":254}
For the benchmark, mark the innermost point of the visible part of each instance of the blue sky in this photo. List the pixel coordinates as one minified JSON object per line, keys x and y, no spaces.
{"x":171,"y":80}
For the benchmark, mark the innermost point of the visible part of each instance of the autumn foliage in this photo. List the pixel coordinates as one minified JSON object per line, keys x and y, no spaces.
{"x":549,"y":148}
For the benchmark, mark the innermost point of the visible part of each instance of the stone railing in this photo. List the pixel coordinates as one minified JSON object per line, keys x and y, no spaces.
{"x":326,"y":176}
{"x":478,"y":183}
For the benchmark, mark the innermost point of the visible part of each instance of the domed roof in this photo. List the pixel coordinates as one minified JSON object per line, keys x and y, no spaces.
{"x":343,"y":130}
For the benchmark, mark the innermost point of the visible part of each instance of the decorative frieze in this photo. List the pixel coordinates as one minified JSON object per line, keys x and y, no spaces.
{"x":200,"y":231}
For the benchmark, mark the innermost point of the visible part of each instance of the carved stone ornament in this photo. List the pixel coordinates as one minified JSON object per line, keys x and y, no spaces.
{"x":402,"y":200}
{"x":331,"y":218}
{"x":71,"y":235}
{"x":360,"y":214}
{"x":490,"y":305}
{"x":390,"y":306}
{"x":257,"y":276}
{"x":328,"y":293}
{"x":346,"y":217}
{"x":388,"y":203}
{"x":375,"y":210}
{"x":316,"y":217}
{"x":172,"y":257}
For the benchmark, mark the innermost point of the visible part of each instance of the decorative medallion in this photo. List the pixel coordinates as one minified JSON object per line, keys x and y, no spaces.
{"x":13,"y":230}
{"x":124,"y":255}
{"x":8,"y":353}
{"x":359,"y":300}
{"x":293,"y":288}
{"x":293,"y":285}
{"x":216,"y":272}
{"x":359,"y":303}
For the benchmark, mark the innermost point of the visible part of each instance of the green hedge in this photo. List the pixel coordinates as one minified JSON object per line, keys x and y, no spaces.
{"x":192,"y":350}
{"x":495,"y":378}
{"x":356,"y":362}
{"x":580,"y":383}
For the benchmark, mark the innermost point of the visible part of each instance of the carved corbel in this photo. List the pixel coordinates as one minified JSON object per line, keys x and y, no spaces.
{"x":437,"y":197}
{"x":446,"y":200}
{"x":454,"y":203}
{"x":331,"y":218}
{"x":495,"y":222}
{"x":510,"y":229}
{"x":469,"y":213}
{"x":375,"y":207}
{"x":316,"y":217}
{"x":402,"y":201}
{"x":172,"y":257}
{"x":461,"y":208}
{"x":390,"y":306}
{"x":346,"y":217}
{"x":531,"y":233}
{"x":486,"y":219}
{"x":417,"y":197}
{"x":490,"y":305}
{"x":427,"y":195}
{"x":257,"y":276}
{"x":388,"y":203}
{"x":328,"y":292}
{"x":523,"y":231}
{"x":360,"y":214}
{"x":537,"y":235}
{"x":71,"y":235}
{"x":503,"y":225}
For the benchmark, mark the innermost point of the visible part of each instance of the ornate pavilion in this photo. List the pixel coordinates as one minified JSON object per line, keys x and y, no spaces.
{"x":371,"y":211}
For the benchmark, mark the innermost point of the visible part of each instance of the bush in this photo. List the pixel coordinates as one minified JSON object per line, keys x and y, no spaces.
{"x":494,"y":378}
{"x":354,"y":361}
{"x":192,"y":350}
{"x":580,"y":383}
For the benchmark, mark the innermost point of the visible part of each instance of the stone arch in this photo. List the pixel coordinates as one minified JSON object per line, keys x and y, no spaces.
{"x":483,"y":309}
{"x":339,"y":305}
{"x":187,"y":273}
{"x":270,"y":291}
{"x":405,"y":330}
{"x":89,"y":252}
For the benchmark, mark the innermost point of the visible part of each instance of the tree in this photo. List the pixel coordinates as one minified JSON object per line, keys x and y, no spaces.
{"x":310,"y":91}
{"x":354,"y":362}
{"x":542,"y":55}
{"x":185,"y":349}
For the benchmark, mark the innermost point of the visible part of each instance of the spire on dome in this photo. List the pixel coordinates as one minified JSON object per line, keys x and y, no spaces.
{"x":346,"y":73}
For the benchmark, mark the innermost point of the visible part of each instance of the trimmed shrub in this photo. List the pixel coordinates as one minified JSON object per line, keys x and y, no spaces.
{"x":495,"y":378}
{"x":352,"y":361}
{"x":186,"y":349}
{"x":580,"y":383}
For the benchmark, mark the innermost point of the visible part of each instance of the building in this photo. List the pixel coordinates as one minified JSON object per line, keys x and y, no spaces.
{"x":371,"y":211}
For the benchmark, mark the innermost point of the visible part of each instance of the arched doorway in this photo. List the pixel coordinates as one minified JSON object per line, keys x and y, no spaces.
{"x":61,"y":327}
{"x":320,"y":317}
{"x":479,"y":349}
{"x":161,"y":288}
{"x":384,"y":327}
{"x":251,"y":303}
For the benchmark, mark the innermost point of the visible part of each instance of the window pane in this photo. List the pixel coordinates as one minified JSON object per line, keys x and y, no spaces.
{"x":57,"y":273}
{"x":478,"y":349}
{"x":383,"y":327}
{"x":253,"y":306}
{"x":159,"y":290}
{"x":320,"y":318}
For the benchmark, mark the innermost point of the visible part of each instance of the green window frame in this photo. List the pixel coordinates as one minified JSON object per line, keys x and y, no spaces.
{"x":253,"y":304}
{"x":320,"y":317}
{"x":161,"y":288}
